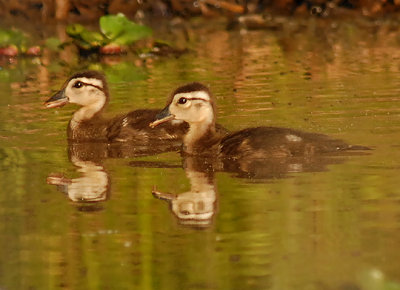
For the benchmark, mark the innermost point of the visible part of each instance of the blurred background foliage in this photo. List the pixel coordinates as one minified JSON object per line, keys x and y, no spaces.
{"x":90,"y":10}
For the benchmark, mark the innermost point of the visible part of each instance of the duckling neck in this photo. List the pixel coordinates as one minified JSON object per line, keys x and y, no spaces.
{"x":87,"y":123}
{"x":200,"y":137}
{"x":87,"y":112}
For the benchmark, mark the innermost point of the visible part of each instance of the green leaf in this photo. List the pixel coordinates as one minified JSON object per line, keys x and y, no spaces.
{"x":4,"y":37}
{"x":113,"y":25}
{"x":116,"y":29}
{"x":133,"y":33}
{"x":53,"y":43}
{"x":74,"y":30}
{"x":95,"y":39}
{"x":84,"y":38}
{"x":120,"y":30}
{"x":13,"y":37}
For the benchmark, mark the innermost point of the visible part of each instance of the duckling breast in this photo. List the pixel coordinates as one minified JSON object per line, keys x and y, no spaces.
{"x":88,"y":130}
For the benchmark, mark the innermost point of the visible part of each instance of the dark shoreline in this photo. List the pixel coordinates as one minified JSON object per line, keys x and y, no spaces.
{"x":50,"y":11}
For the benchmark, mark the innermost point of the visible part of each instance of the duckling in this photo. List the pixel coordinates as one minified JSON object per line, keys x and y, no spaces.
{"x":194,"y":104}
{"x":89,"y":89}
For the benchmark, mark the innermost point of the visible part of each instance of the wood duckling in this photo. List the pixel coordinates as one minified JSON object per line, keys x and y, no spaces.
{"x":89,"y":90}
{"x":194,"y":104}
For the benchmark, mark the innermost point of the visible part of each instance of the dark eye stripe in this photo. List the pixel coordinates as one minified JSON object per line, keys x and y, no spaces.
{"x":87,"y":84}
{"x":196,"y":99}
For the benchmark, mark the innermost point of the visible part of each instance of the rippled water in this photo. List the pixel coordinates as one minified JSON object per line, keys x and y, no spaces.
{"x":332,"y":224}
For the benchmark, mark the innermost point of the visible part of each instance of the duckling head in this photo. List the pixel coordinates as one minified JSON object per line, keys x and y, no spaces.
{"x":87,"y":89}
{"x":192,"y":103}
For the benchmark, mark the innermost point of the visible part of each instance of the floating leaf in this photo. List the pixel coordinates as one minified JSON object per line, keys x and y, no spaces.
{"x":84,"y":38}
{"x":14,"y":37}
{"x":133,"y":33}
{"x":18,"y":38}
{"x":4,"y":37}
{"x":113,"y":25}
{"x":53,"y":43}
{"x":117,"y":31}
{"x":120,"y":30}
{"x":74,"y":30}
{"x":95,"y":39}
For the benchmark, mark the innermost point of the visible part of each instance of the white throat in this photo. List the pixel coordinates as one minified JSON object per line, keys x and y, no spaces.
{"x":196,"y":131}
{"x":87,"y":112}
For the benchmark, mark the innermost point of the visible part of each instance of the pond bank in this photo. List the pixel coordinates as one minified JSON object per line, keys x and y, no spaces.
{"x":90,"y":11}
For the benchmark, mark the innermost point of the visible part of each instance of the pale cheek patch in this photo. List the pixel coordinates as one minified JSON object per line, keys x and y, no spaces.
{"x":293,"y":138}
{"x":201,"y":113}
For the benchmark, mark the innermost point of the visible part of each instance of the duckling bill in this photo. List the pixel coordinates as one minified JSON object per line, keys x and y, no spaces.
{"x":194,"y":104}
{"x":162,"y":117}
{"x":58,"y":100}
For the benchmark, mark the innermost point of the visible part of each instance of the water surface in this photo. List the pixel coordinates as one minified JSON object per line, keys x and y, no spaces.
{"x":332,"y":224}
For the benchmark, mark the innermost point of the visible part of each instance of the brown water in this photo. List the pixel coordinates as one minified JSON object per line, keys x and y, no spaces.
{"x":332,"y":224}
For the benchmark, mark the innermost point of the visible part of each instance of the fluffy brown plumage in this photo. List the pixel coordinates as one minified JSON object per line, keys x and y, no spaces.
{"x":89,"y":89}
{"x":194,"y":104}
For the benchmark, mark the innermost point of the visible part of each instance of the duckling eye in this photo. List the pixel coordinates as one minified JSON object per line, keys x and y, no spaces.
{"x":182,"y":101}
{"x":78,"y":84}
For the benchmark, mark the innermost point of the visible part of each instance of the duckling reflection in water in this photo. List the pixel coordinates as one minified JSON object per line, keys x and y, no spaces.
{"x":92,"y":186}
{"x":196,"y":207}
{"x":194,"y":104}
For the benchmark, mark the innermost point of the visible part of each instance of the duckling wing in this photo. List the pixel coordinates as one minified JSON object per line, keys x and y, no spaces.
{"x":134,"y":127}
{"x":221,"y":130}
{"x":266,"y":142}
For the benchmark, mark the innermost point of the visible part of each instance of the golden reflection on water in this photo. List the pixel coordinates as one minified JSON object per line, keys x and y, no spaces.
{"x":327,"y":224}
{"x":197,"y":206}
